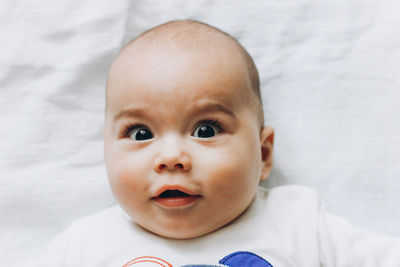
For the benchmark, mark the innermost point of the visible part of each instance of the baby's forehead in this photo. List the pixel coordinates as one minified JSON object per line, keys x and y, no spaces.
{"x":215,"y":73}
{"x":178,"y":85}
{"x":154,"y":58}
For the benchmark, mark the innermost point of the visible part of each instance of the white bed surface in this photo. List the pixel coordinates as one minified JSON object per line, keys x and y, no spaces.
{"x":330,"y":74}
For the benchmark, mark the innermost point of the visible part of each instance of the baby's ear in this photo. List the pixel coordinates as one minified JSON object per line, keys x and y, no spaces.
{"x":267,"y":143}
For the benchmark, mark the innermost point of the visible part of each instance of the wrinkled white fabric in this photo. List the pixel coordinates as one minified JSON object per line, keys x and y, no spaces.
{"x":287,"y":226}
{"x":330,"y":79}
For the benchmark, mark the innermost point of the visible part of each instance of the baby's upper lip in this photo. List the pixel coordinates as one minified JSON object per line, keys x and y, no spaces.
{"x":174,"y":188}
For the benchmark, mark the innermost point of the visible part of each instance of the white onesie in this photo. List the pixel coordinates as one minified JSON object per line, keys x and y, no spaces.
{"x":284,"y":227}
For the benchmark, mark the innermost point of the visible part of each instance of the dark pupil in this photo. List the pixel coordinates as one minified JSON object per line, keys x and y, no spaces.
{"x":143,"y":134}
{"x":206,"y":131}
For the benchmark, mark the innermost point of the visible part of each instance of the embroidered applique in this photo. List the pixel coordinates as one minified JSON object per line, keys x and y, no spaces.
{"x":148,"y":261}
{"x":236,"y":259}
{"x":244,"y":259}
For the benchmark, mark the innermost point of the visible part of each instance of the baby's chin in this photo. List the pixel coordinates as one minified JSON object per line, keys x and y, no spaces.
{"x":178,"y":231}
{"x":186,"y":230}
{"x":180,"y":234}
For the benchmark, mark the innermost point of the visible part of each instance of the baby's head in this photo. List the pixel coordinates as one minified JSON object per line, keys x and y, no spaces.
{"x":185,"y":145}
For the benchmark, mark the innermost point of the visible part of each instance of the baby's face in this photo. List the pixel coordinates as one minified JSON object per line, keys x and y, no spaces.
{"x":183,"y":147}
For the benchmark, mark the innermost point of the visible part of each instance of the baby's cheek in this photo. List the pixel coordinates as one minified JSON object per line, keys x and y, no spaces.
{"x":123,"y":180}
{"x":225,"y":170}
{"x":233,"y":171}
{"x":130,"y":192}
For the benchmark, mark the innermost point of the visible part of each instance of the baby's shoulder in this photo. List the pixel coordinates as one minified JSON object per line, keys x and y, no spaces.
{"x":290,"y":201}
{"x":288,"y":212}
{"x":290,"y":194}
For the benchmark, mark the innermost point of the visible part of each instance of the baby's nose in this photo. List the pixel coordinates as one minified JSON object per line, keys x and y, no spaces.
{"x":172,"y":163}
{"x":172,"y":157}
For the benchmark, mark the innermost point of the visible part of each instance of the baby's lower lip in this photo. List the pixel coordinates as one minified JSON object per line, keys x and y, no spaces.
{"x":176,"y":202}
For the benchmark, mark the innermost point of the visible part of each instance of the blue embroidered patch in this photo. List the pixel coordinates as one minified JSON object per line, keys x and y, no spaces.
{"x":244,"y":259}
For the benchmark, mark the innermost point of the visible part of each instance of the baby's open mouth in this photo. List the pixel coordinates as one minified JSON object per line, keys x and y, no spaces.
{"x":173,"y":193}
{"x":173,"y":198}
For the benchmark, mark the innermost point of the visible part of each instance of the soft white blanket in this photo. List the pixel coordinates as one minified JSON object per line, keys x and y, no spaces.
{"x":330,"y":74}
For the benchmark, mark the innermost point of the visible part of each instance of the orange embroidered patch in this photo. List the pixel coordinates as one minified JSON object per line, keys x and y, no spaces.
{"x":148,"y":259}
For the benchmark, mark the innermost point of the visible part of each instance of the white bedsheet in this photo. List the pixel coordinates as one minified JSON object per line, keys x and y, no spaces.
{"x":330,"y":75}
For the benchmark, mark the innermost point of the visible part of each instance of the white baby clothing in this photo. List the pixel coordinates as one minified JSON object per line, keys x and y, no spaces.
{"x":285,"y":226}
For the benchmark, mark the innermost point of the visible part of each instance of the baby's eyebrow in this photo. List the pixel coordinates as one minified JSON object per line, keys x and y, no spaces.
{"x":213,"y":107}
{"x":197,"y":109}
{"x":129,"y":113}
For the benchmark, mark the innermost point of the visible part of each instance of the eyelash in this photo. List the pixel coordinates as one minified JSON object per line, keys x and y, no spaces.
{"x":129,"y":128}
{"x":214,"y":122}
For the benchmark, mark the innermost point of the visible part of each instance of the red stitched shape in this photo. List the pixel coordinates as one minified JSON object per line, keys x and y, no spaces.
{"x":155,"y":260}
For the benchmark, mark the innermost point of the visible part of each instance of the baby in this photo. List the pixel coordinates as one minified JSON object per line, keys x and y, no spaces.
{"x":185,"y":148}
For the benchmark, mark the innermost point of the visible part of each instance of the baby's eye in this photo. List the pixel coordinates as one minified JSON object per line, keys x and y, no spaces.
{"x":207,"y":130}
{"x":140,"y":134}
